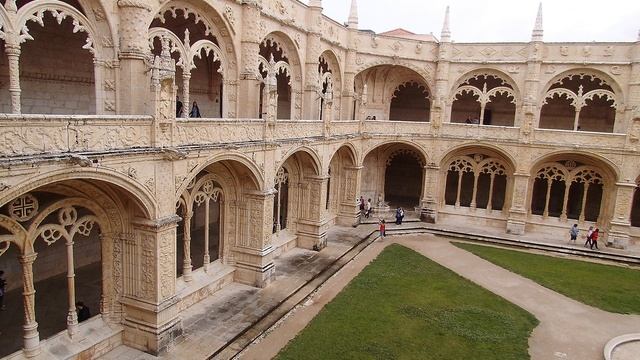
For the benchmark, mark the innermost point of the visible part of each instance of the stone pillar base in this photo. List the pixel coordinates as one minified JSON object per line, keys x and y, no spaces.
{"x":149,"y":327}
{"x":428,"y":212}
{"x":254,"y":268}
{"x":515,"y":227}
{"x":618,"y":236}
{"x":312,"y":235}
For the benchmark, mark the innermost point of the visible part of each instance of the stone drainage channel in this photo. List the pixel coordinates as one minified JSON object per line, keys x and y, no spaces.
{"x":270,"y":320}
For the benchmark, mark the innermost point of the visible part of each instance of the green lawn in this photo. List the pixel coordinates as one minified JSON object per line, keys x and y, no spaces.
{"x":607,"y":287}
{"x":404,"y":306}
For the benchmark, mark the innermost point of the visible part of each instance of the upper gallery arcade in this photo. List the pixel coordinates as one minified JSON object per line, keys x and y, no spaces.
{"x":105,"y":167}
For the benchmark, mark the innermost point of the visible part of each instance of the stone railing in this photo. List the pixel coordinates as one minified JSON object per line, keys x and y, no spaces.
{"x":582,"y":139}
{"x":386,"y":127}
{"x":341,"y":128}
{"x":37,"y":134}
{"x":480,"y":132}
{"x":296,"y":129}
{"x":49,"y":134}
{"x":217,"y":131}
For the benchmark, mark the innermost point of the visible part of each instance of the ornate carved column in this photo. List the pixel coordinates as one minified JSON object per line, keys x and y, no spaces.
{"x":530,"y":110}
{"x":312,"y":220}
{"x":439,"y":109}
{"x":207,"y":258}
{"x":186,"y":263}
{"x":619,"y":226}
{"x":253,"y":252}
{"x":186,"y":78}
{"x":429,"y":203}
{"x":134,"y":50}
{"x":151,"y":318}
{"x":31,"y":336}
{"x":585,"y":191}
{"x":72,"y":316}
{"x":518,"y":212}
{"x":491,"y":182}
{"x":474,"y":195}
{"x":349,"y":212}
{"x":249,"y":86}
{"x":13,"y":57}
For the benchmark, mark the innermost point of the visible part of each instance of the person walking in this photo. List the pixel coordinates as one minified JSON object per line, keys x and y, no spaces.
{"x":589,"y":233}
{"x":367,"y":212}
{"x":574,"y":233}
{"x":195,"y":111}
{"x":383,"y":229}
{"x":3,"y":289}
{"x":361,"y":206}
{"x":594,"y":238}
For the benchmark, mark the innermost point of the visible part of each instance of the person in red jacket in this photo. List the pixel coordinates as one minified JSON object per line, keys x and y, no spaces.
{"x":594,"y":238}
{"x":382,"y":227}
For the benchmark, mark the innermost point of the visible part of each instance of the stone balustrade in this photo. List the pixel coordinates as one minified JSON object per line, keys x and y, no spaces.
{"x":27,"y":135}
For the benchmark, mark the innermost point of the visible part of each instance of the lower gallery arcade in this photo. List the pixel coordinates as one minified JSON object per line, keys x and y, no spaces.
{"x":93,"y":240}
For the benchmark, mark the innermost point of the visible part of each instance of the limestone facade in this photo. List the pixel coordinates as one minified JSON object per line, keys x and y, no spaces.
{"x":301,"y":115}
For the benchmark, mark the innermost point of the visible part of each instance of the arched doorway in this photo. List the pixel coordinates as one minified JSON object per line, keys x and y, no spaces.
{"x":393,"y":175}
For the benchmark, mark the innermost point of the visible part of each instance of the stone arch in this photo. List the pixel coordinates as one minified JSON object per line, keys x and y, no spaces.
{"x":142,"y":195}
{"x":377,"y":84}
{"x":316,"y":162}
{"x":59,"y":208}
{"x":492,"y":150}
{"x":393,"y":173}
{"x":286,"y":48}
{"x":572,"y":186}
{"x":257,"y":176}
{"x":424,"y":157}
{"x":581,"y":99}
{"x":477,"y":176}
{"x":484,"y":96}
{"x":330,"y":77}
{"x":217,"y":99}
{"x":89,"y":71}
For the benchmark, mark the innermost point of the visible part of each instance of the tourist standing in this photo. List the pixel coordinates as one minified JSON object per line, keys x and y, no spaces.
{"x":383,"y":229}
{"x":195,"y":111}
{"x":361,"y":206}
{"x":589,"y":233}
{"x":367,"y":212}
{"x":399,"y":215}
{"x":3,"y":289}
{"x":574,"y":233}
{"x":594,"y":238}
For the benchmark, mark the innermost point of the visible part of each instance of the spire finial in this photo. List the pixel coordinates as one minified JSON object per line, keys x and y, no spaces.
{"x":537,"y":29}
{"x":353,"y":15}
{"x":445,"y":35}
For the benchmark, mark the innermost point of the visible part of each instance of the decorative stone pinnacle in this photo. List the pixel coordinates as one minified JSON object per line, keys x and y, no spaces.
{"x":538,"y":31}
{"x":353,"y":15}
{"x":445,"y":35}
{"x":315,"y":3}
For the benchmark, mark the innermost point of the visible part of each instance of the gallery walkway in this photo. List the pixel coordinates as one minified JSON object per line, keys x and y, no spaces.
{"x":568,"y":329}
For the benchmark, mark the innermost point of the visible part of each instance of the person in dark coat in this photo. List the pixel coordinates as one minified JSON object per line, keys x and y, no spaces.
{"x":83,"y":311}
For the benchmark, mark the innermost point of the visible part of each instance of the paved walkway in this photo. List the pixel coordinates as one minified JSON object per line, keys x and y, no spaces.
{"x":568,"y":329}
